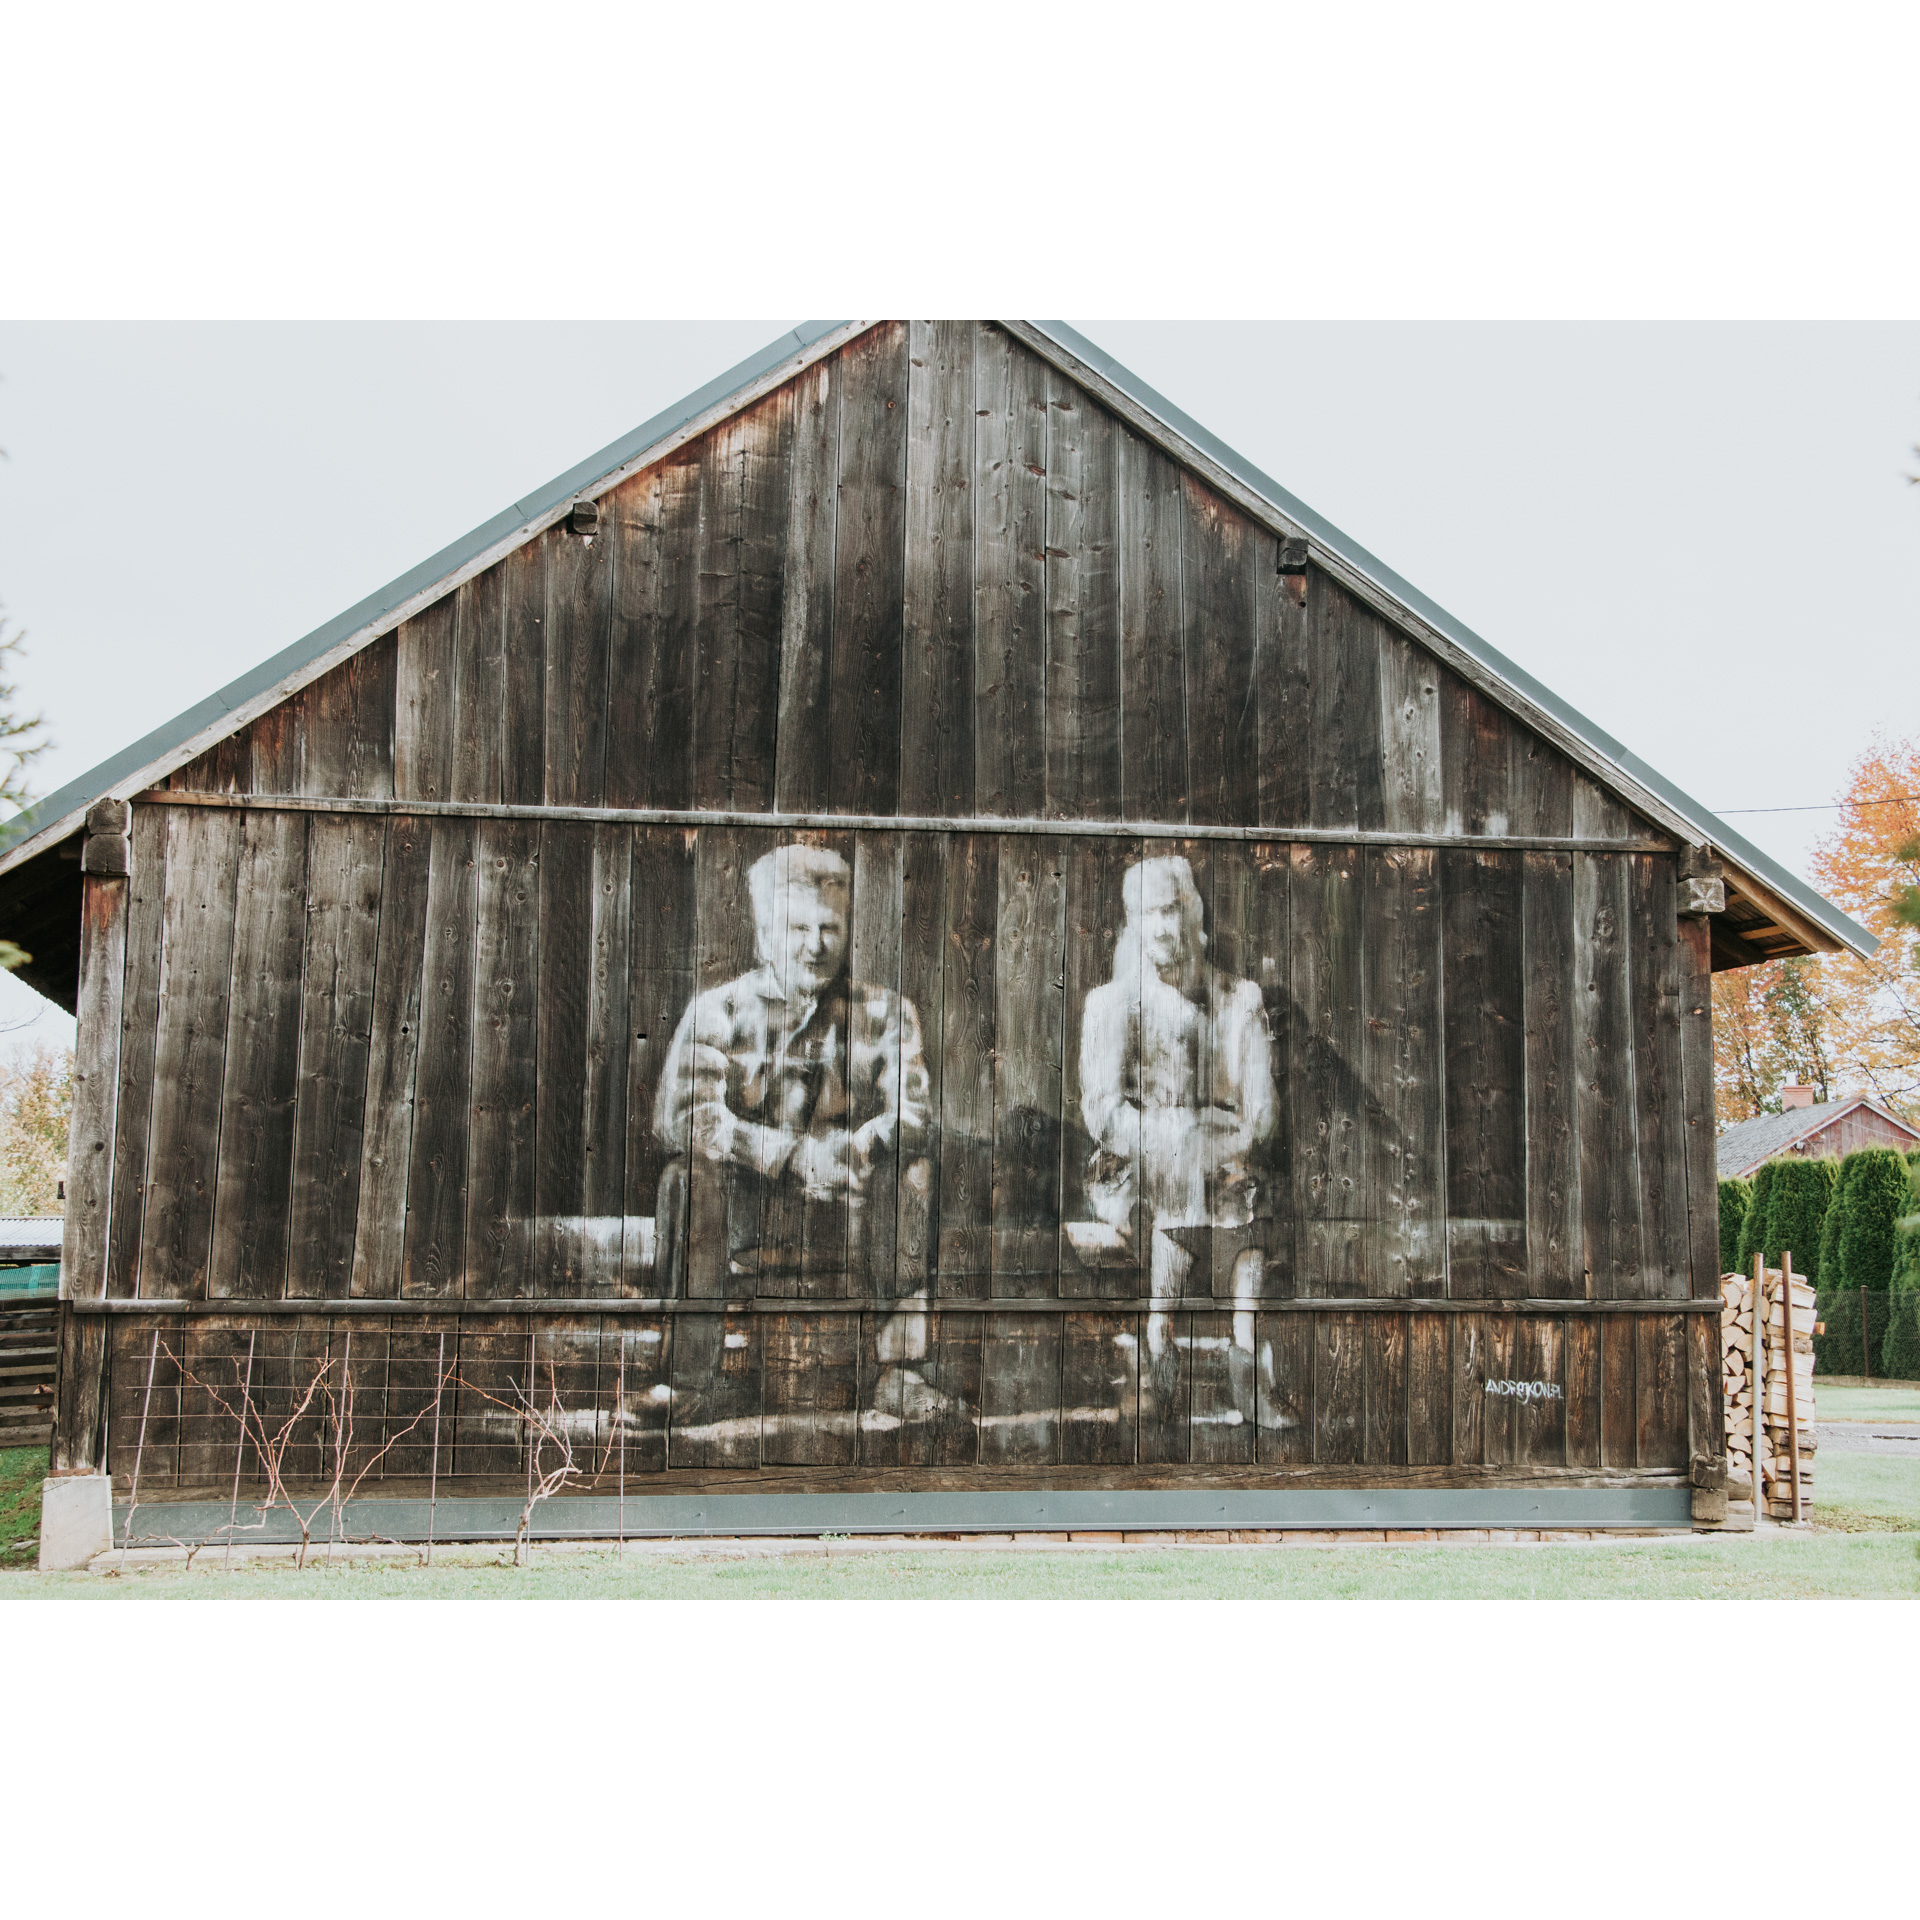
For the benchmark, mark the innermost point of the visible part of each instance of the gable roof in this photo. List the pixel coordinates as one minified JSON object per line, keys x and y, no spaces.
{"x":1748,"y":1142}
{"x":1783,"y":905}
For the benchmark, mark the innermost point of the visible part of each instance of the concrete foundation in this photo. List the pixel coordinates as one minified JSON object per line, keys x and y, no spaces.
{"x":76,"y":1520}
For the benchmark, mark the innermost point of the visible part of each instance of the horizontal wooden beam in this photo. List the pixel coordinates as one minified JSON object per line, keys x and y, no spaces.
{"x":1203,"y":1303}
{"x":900,"y":823}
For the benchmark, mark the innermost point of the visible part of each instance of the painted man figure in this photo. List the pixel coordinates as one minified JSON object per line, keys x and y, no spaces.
{"x":790,"y":1094}
{"x":1177,"y":1090}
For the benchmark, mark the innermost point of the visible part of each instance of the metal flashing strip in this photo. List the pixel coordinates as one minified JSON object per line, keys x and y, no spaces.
{"x":1711,"y":828}
{"x":1103,"y":1510}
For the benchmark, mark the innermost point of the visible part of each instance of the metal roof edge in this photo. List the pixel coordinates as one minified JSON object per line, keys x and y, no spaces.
{"x":1633,"y":769}
{"x":72,"y":800}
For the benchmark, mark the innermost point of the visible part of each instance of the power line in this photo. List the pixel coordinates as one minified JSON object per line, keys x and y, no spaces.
{"x":1827,"y":806}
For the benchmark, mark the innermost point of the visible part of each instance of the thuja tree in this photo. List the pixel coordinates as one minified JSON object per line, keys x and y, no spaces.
{"x":1753,"y":1231}
{"x":1858,"y":1240}
{"x":1797,"y":1205}
{"x":1736,"y":1198}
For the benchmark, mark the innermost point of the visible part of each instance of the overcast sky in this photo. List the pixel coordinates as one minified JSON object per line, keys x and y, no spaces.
{"x":1699,"y":534}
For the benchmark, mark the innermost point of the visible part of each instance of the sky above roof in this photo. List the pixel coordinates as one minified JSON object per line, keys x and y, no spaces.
{"x":1699,"y":535}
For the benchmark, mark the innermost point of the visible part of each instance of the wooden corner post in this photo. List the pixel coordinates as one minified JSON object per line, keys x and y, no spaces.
{"x":78,"y":1443}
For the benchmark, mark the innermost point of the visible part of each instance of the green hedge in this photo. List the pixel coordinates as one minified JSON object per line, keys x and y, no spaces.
{"x":1754,"y":1229}
{"x":1736,"y":1199}
{"x":1797,"y":1205}
{"x":1838,"y":1349}
{"x":1900,"y":1351}
{"x":1876,"y":1192}
{"x":1906,"y":1254}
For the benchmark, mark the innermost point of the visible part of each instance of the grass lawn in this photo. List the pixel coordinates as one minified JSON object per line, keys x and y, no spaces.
{"x":1867,"y":1546}
{"x":1900,"y":1402}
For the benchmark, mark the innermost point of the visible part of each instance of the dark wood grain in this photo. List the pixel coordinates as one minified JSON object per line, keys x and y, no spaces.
{"x":1385,"y":1337}
{"x":661,"y":981}
{"x":1661,"y":1390}
{"x":502,"y":1194}
{"x":523,"y":767}
{"x":1339,"y":1388}
{"x":1285,"y":1355}
{"x":1019,"y":1390}
{"x":803,"y":745}
{"x":1604,"y":1110}
{"x":1659,"y":1081}
{"x":347,"y":727}
{"x":1222,"y":658}
{"x":810,"y":1411}
{"x":1696,"y":1069}
{"x":599,"y":1252}
{"x":923,"y":859}
{"x":1331,"y":1176}
{"x":1619,"y":1394}
{"x":1537,"y":1427}
{"x":1586,"y":1388}
{"x":1099,"y":1390}
{"x":1165,"y":1363}
{"x":654,"y":523}
{"x":393,"y":1048}
{"x":190,"y":1043}
{"x":1429,"y":1389}
{"x":1081,"y":703}
{"x":1555,"y":1268}
{"x":1482,"y":1421}
{"x":869,"y":560}
{"x":937,"y":688}
{"x":742,"y":561}
{"x":1152,"y":657}
{"x":1223,"y":1405}
{"x":426,"y":674}
{"x":560,"y":1017}
{"x":1029,"y":976}
{"x":95,"y":1087}
{"x":346,"y":858}
{"x":966,"y":1073}
{"x":1009,"y":583}
{"x":254,"y":1171}
{"x":435,"y":1261}
{"x":1403,"y":1074}
{"x":1412,"y":797}
{"x":1343,"y":741}
{"x":1485,"y":1075}
{"x":578,"y":630}
{"x":480,"y":687}
{"x":716,"y":1391}
{"x":873,"y":962}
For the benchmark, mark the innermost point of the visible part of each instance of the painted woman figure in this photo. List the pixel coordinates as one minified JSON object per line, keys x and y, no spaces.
{"x":1177,"y":1090}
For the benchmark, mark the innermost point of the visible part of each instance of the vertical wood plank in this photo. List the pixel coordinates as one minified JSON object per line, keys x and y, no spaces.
{"x":1224,"y":1414}
{"x":1662,"y":1396}
{"x":480,"y":687}
{"x":661,"y":976}
{"x":1286,"y":1410}
{"x":923,"y":860}
{"x":1009,"y":585}
{"x":1403,"y":1073}
{"x":427,"y":678}
{"x":1604,"y":1116}
{"x":253,"y":1191}
{"x":579,"y":631}
{"x":523,"y":769}
{"x":1539,"y":1425}
{"x":716,"y":1390}
{"x":937,"y":690}
{"x":809,"y":1415}
{"x":1020,"y":1390}
{"x":1343,"y":740}
{"x":967,"y":1044}
{"x":1152,"y":663}
{"x":1339,"y":1389}
{"x":501,"y":1192}
{"x":1411,"y":760}
{"x":803,"y":744}
{"x":1222,"y":658}
{"x":1386,"y":1363}
{"x":1081,"y":700}
{"x":379,"y":1240}
{"x":1485,"y":1075}
{"x":869,"y":558}
{"x":1482,"y":1422}
{"x":202,"y":870}
{"x":654,"y":521}
{"x":1619,"y":1392}
{"x":1585,"y":1390}
{"x":346,"y":726}
{"x":95,"y":1089}
{"x":1165,"y":1359}
{"x":1696,"y":1072}
{"x":346,"y":857}
{"x":744,"y":500}
{"x":435,"y":1260}
{"x":560,"y":1019}
{"x":873,"y":967}
{"x":1331,"y":1176}
{"x":1659,"y":1080}
{"x":1029,"y":968}
{"x":1429,"y":1389}
{"x":1554,"y":1262}
{"x":1099,"y":1390}
{"x":601,"y":1255}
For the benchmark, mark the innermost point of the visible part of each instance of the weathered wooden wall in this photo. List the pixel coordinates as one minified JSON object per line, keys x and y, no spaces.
{"x":393,"y":1052}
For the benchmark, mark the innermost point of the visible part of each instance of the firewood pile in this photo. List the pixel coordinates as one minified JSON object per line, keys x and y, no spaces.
{"x":1754,"y":1381}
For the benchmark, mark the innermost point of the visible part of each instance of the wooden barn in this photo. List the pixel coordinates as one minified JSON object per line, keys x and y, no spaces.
{"x":914,"y":947}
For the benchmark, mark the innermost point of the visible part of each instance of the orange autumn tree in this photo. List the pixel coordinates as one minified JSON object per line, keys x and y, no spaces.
{"x":1838,"y":1023}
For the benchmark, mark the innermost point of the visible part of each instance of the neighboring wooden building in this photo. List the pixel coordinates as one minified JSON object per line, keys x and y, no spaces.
{"x":1826,"y":1129}
{"x":1264,"y":1050}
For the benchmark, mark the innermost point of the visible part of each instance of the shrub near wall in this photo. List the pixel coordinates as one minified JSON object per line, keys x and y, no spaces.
{"x":1797,"y":1205}
{"x":1876,"y":1193}
{"x":1754,"y":1228}
{"x":1900,"y":1349}
{"x":1736,"y":1199}
{"x":1838,"y":1350}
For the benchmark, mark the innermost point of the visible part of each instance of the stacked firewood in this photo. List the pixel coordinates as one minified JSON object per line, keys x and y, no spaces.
{"x":1760,"y":1424}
